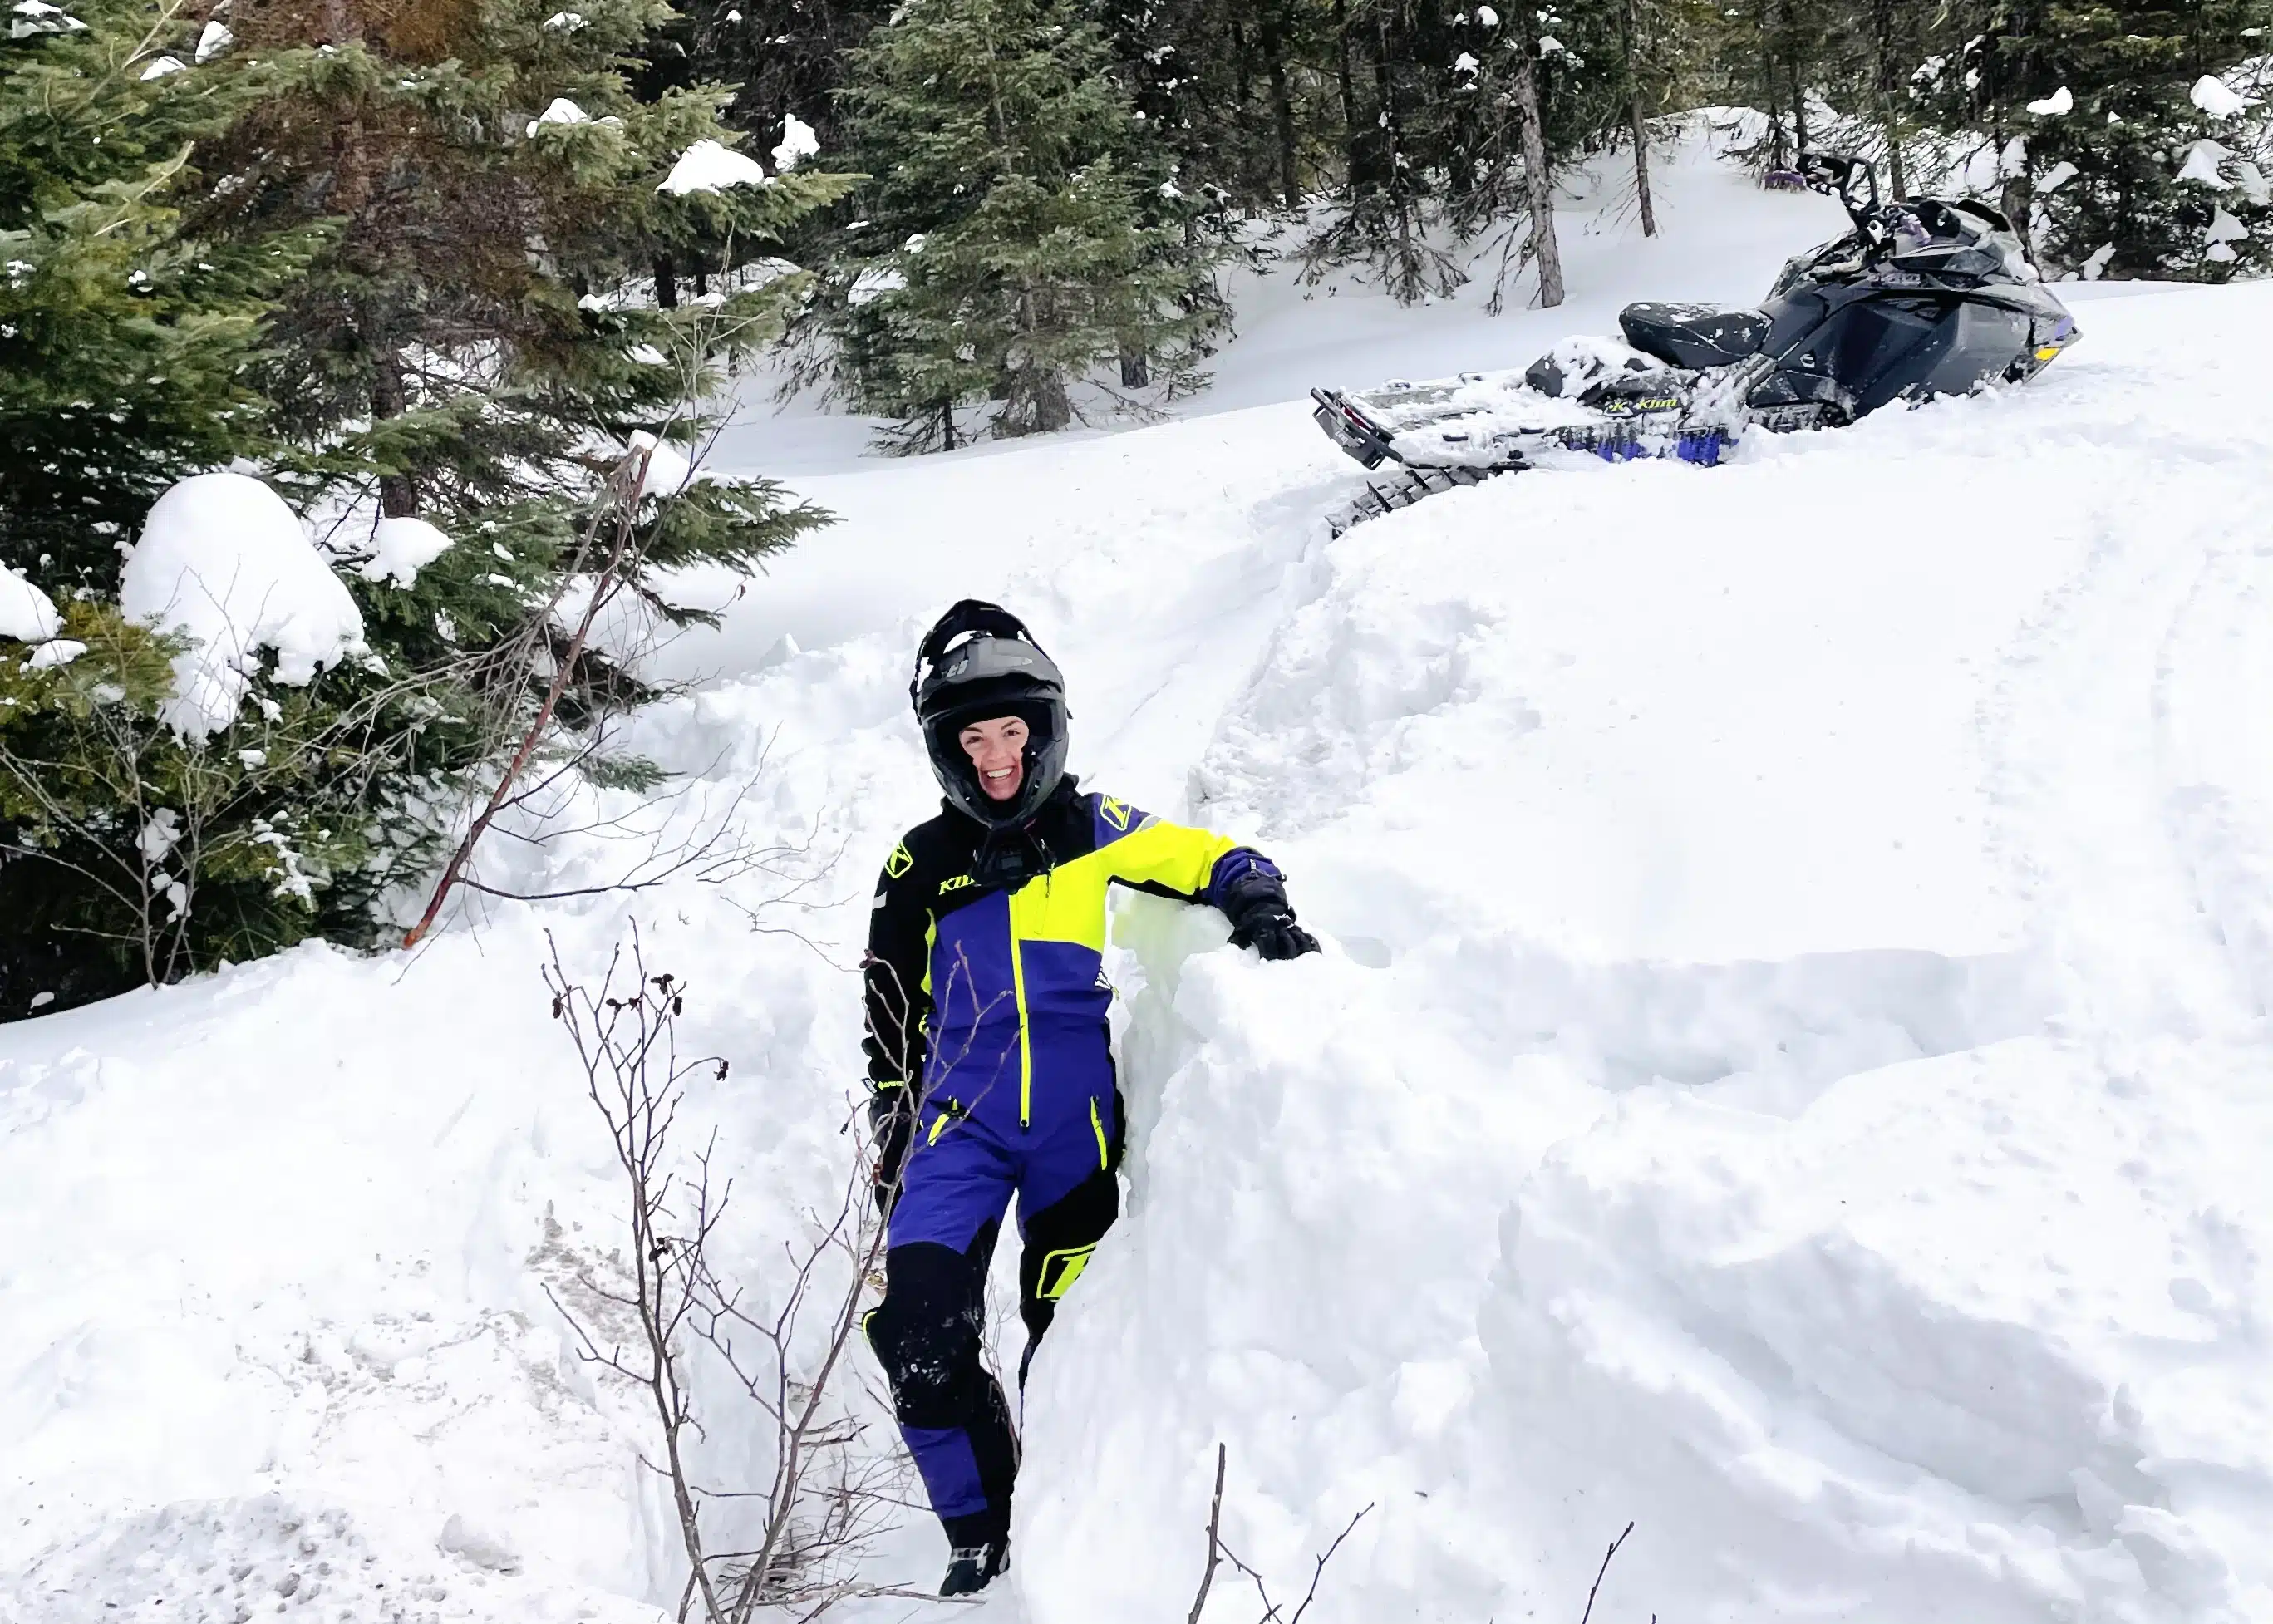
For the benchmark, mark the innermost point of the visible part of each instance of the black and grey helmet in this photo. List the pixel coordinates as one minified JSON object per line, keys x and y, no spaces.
{"x":979,"y":663}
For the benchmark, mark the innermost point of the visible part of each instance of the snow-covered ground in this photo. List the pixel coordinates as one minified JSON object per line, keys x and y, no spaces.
{"x":1787,"y":1072}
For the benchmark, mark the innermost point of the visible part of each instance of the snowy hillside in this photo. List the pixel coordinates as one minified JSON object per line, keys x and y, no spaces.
{"x":1787,"y":1071}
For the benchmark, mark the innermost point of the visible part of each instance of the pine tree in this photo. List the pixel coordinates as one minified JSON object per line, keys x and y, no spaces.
{"x":124,"y":344}
{"x":445,"y":216}
{"x":2086,"y":116}
{"x":2143,"y":184}
{"x":1412,"y":150}
{"x":1011,"y":241}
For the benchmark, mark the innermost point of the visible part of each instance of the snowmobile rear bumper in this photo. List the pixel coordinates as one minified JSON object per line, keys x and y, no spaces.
{"x":1352,"y":430}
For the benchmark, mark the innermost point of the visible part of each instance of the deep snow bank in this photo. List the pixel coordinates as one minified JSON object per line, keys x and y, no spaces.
{"x":1810,"y":1100}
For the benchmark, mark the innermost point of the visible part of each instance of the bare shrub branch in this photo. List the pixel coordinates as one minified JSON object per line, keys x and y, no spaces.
{"x":1585,"y":1617}
{"x":828,"y":1499}
{"x":1273,"y":1612}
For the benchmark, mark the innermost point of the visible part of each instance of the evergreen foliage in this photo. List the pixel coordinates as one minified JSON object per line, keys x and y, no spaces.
{"x":411,"y":278}
{"x":125,"y":341}
{"x":419,"y":258}
{"x":2144,"y":175}
{"x":1021,"y":228}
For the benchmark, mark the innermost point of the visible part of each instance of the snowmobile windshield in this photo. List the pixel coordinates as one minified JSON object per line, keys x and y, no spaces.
{"x":1962,"y":242}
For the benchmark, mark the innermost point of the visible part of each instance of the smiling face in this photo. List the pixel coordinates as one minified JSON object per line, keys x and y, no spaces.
{"x":997,"y":748}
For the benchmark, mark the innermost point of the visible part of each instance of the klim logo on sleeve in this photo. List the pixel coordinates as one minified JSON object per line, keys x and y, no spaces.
{"x":1117,"y":812}
{"x":900,"y":862}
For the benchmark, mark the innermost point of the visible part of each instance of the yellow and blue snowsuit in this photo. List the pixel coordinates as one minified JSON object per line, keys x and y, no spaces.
{"x":987,"y":1003}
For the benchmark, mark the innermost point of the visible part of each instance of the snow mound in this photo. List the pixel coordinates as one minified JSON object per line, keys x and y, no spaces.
{"x":709,"y":167}
{"x":26,"y":613}
{"x":224,"y":563}
{"x":400,"y":548}
{"x":1844,"y":997}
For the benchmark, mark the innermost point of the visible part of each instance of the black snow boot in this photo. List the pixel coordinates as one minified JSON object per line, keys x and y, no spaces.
{"x":971,"y":1568}
{"x":979,"y":1548}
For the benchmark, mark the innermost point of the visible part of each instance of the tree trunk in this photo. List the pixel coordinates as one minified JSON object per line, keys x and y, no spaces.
{"x":1788,"y":37}
{"x":666,"y":283}
{"x":398,"y":497}
{"x":1135,"y":366}
{"x":1640,"y":125}
{"x":1641,"y":169}
{"x":947,"y":425}
{"x":1053,"y":410}
{"x":1888,"y":77}
{"x":1539,"y":185}
{"x":1771,"y":90}
{"x":2018,"y":201}
{"x":1282,"y":104}
{"x":1342,"y":75}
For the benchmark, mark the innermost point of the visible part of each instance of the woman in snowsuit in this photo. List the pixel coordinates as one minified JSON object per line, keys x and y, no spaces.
{"x":988,"y":1049}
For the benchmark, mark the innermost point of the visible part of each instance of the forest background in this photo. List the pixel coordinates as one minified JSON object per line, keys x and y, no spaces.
{"x":450,"y":295}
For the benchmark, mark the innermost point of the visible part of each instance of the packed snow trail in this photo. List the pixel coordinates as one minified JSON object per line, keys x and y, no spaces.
{"x":1785,"y":1072}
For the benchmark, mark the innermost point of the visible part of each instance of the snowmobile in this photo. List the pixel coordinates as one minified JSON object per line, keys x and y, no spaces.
{"x":1924,"y":298}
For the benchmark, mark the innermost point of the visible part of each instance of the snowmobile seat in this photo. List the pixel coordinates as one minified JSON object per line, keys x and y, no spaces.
{"x":1694,"y":335}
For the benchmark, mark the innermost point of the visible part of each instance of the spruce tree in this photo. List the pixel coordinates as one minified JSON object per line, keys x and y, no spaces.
{"x":2086,"y":114}
{"x":1015,"y":235}
{"x":125,"y":344}
{"x":2144,"y":187}
{"x":398,"y":260}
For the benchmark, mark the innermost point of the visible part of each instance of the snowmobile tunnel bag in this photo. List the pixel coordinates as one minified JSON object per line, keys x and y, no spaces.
{"x":1694,"y":335}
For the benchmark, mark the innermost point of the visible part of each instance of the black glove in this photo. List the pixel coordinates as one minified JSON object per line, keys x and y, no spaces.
{"x":1261,"y":917}
{"x":1265,"y":922}
{"x":892,"y":1123}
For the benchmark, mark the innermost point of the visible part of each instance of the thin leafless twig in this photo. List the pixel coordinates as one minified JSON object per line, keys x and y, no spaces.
{"x":828,"y":1499}
{"x":1600,"y":1572}
{"x":1215,"y":1539}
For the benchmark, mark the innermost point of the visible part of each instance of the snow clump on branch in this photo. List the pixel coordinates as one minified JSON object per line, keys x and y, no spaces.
{"x":26,"y":613}
{"x":225,"y":565}
{"x":797,"y":143}
{"x":400,"y":549}
{"x":562,"y":111}
{"x":708,"y":166}
{"x":2216,"y":99}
